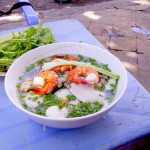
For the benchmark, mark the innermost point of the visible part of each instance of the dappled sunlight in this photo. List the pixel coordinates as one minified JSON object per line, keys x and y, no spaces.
{"x":142,"y":2}
{"x":14,"y":17}
{"x":132,"y":55}
{"x":129,"y":66}
{"x":112,"y":44}
{"x":91,"y":15}
{"x":8,"y":6}
{"x":53,"y":9}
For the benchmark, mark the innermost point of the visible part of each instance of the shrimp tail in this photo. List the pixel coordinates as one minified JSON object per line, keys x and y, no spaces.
{"x":46,"y":90}
{"x":51,"y":82}
{"x":37,"y":91}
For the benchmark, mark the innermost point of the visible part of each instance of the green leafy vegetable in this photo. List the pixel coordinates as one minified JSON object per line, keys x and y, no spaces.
{"x":80,"y":58}
{"x":93,"y":62}
{"x":18,"y":85}
{"x":53,"y":56}
{"x":31,"y":92}
{"x":83,"y":109}
{"x":35,"y":98}
{"x":21,"y":43}
{"x":101,"y":89}
{"x":113,"y":85}
{"x":113,"y":90}
{"x":48,"y":100}
{"x":71,"y":97}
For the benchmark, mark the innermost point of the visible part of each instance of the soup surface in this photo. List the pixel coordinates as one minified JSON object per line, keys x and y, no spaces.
{"x":66,"y":86}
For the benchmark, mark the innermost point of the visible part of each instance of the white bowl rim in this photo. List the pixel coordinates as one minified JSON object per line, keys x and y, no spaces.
{"x":68,"y":119}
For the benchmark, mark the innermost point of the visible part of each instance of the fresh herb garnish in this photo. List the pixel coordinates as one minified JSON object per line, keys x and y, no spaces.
{"x":20,"y":78}
{"x":25,"y":106}
{"x":113,"y":85}
{"x":21,"y":43}
{"x":113,"y":90}
{"x":29,"y":68}
{"x":101,"y":89}
{"x":108,"y":98}
{"x":32,"y":93}
{"x":22,"y":97}
{"x":80,"y":58}
{"x":40,"y":62}
{"x":53,"y":56}
{"x":18,"y":85}
{"x":60,"y":73}
{"x":71,"y":97}
{"x":35,"y":98}
{"x":48,"y":100}
{"x":29,"y":98}
{"x":83,"y":109}
{"x":105,"y":66}
{"x":93,"y":62}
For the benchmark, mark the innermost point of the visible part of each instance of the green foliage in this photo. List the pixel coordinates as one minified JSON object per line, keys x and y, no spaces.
{"x":71,"y":97}
{"x":48,"y":100}
{"x":25,"y":41}
{"x":93,"y":62}
{"x":83,"y":109}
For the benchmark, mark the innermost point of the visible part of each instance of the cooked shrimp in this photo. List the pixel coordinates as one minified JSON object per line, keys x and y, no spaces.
{"x":84,"y":75}
{"x":64,"y":68}
{"x":26,"y":85}
{"x":51,"y":81}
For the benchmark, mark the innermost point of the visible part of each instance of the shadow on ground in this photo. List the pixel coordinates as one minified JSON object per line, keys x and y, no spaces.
{"x":49,"y":4}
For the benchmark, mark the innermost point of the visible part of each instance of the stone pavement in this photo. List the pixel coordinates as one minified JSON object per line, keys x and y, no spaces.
{"x":122,"y":26}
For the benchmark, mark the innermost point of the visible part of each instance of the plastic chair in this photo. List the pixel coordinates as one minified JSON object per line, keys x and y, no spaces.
{"x":29,"y":14}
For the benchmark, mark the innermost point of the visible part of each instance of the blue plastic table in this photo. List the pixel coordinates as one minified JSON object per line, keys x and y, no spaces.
{"x":127,"y":121}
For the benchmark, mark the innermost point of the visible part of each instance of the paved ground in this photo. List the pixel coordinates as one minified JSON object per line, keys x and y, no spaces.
{"x":120,"y":25}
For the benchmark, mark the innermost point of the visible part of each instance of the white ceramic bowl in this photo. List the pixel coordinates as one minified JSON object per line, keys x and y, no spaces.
{"x":72,"y":48}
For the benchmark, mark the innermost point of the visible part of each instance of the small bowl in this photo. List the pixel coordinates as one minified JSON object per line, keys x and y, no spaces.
{"x":71,"y":48}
